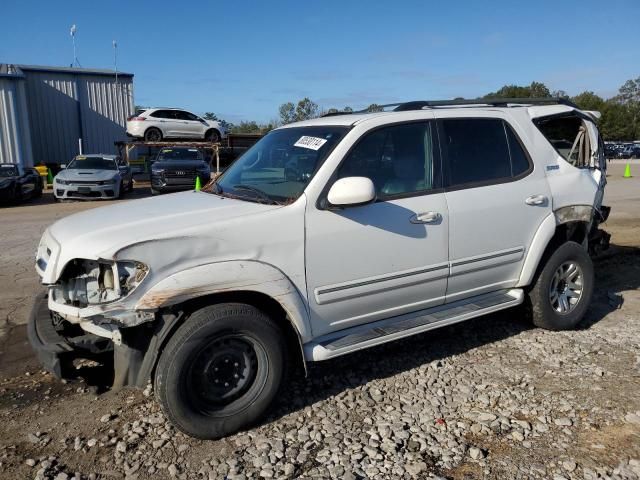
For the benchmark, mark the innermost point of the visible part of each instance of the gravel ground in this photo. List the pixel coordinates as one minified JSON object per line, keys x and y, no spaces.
{"x":489,"y":398}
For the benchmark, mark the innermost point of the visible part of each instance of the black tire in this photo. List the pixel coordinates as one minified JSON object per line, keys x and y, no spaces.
{"x":212,"y":136}
{"x":155,"y":192}
{"x":152,"y":135}
{"x":121,"y":189}
{"x":130,"y":186}
{"x":545,"y":310}
{"x":220,"y":370}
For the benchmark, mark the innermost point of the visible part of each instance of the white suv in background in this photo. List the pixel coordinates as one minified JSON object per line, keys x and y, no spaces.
{"x":156,"y":124}
{"x":326,"y":237}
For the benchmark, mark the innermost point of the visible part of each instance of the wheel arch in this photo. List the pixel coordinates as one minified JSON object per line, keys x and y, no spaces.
{"x":213,"y":129}
{"x":570,"y":223}
{"x":152,"y":127}
{"x":177,"y":296}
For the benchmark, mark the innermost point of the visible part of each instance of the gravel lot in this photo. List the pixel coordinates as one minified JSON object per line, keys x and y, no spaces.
{"x":489,"y":398}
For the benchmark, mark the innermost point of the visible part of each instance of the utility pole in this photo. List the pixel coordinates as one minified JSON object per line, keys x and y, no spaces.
{"x":72,"y":32}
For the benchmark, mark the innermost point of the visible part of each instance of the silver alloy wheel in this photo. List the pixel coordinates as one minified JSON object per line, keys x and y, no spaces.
{"x":566,"y":287}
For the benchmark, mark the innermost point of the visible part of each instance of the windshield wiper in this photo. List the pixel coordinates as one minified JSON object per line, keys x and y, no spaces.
{"x":258,"y":192}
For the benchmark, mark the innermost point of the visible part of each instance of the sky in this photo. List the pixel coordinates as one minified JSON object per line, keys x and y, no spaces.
{"x":242,"y":59}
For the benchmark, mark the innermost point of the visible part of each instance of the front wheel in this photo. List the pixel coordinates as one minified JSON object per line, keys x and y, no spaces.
{"x":212,"y":136}
{"x":220,"y":370}
{"x":562,"y":291}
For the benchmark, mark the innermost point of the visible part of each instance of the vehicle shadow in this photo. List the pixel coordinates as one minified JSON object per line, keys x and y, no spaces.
{"x":616,"y":270}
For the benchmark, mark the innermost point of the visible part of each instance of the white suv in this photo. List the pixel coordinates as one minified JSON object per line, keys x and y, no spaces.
{"x":156,"y":124}
{"x":328,"y":236}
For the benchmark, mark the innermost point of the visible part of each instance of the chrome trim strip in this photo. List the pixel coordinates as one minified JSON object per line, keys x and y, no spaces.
{"x":380,"y":280}
{"x":487,"y":257}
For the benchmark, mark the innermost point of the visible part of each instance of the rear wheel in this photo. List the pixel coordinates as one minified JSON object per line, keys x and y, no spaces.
{"x":562,"y":291}
{"x":152,"y":135}
{"x":220,"y":370}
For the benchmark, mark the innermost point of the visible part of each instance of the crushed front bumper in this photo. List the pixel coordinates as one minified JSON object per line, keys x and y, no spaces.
{"x":56,"y":347}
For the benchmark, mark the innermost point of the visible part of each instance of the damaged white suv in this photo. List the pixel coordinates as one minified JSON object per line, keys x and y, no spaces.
{"x":328,"y":236}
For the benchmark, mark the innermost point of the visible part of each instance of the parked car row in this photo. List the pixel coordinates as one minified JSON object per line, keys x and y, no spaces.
{"x":621,"y":150}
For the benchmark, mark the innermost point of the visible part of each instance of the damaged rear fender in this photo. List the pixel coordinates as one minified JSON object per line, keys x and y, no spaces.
{"x":231,"y":276}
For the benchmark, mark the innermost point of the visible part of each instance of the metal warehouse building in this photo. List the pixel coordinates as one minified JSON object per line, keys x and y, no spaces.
{"x":45,"y":111}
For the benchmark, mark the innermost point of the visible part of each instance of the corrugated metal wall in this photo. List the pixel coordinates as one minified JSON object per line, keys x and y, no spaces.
{"x":105,"y":107}
{"x":15,"y":141}
{"x":66,"y":106}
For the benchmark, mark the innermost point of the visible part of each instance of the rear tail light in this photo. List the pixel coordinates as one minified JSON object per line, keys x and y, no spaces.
{"x":136,"y":119}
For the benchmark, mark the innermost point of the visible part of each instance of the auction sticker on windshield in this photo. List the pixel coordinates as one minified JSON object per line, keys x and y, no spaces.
{"x":312,"y":143}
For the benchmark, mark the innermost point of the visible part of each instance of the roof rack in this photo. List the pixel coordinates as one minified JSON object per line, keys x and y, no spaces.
{"x":494,"y":102}
{"x":461,"y":102}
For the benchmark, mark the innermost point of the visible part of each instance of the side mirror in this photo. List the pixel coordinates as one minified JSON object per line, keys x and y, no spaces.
{"x":63,"y":166}
{"x":351,"y":192}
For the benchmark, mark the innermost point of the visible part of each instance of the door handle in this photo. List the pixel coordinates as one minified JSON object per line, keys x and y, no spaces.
{"x":426,"y":217}
{"x":536,"y":200}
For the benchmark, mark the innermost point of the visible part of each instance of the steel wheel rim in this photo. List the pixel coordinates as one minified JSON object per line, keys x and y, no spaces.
{"x":225,"y":370}
{"x":567,"y":286}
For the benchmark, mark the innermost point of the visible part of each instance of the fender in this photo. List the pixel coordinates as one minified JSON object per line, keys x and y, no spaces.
{"x":229,"y":276}
{"x":541,"y":239}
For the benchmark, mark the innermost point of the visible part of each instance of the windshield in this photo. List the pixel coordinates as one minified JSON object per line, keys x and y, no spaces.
{"x":279,"y":167}
{"x":8,"y":171}
{"x":179,"y":154}
{"x":92,"y":163}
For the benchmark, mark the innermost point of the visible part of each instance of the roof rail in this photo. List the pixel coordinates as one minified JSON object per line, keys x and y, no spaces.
{"x":494,"y":102}
{"x":460,"y":102}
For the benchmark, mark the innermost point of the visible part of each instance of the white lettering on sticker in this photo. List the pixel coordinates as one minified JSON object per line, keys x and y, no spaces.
{"x":312,"y":143}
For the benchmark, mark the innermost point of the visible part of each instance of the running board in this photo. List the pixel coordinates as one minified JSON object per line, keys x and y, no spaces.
{"x":382,"y":331}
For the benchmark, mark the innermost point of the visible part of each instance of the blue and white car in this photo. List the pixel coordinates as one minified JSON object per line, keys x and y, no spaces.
{"x":94,"y":176}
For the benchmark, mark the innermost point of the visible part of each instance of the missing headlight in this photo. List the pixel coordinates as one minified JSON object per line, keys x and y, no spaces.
{"x":91,"y":282}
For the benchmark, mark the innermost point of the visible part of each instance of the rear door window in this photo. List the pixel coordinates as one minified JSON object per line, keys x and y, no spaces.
{"x":481,"y":151}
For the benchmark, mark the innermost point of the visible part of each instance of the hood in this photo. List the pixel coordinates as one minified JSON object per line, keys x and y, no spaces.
{"x":102,"y":232}
{"x":179,"y":164}
{"x":74,"y":174}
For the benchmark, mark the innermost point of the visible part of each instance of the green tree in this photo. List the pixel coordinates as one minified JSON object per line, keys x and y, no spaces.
{"x":347,"y":109}
{"x":589,"y":101}
{"x":210,"y":116}
{"x":535,"y":90}
{"x":374,"y":107}
{"x":287,"y":113}
{"x":306,"y":109}
{"x":616,"y":122}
